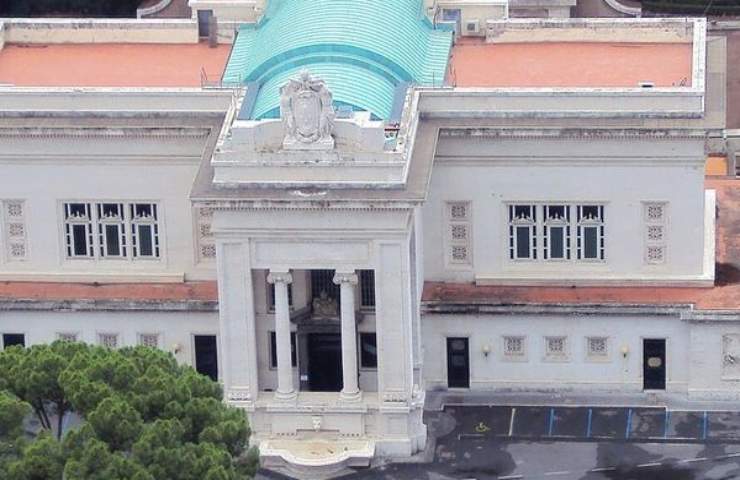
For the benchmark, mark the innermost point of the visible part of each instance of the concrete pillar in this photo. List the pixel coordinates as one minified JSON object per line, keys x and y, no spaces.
{"x":347,"y":282}
{"x":281,"y":280}
{"x":237,"y":337}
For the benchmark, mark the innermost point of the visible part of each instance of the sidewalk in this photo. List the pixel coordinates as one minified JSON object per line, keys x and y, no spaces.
{"x":436,"y":400}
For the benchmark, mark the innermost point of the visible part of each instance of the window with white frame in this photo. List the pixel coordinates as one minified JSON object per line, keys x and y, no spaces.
{"x":111,"y":230}
{"x":459,"y":235}
{"x":556,"y":241}
{"x":523,"y":232}
{"x":14,"y":230}
{"x":655,"y":218}
{"x":590,"y":232}
{"x":149,"y":340}
{"x":67,"y":336}
{"x":78,"y":230}
{"x":144,"y":230}
{"x":556,"y":348}
{"x":514,"y":347}
{"x":108,"y":340}
{"x":597,"y":347}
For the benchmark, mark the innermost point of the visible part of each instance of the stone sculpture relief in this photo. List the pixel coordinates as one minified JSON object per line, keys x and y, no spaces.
{"x":307,"y":113}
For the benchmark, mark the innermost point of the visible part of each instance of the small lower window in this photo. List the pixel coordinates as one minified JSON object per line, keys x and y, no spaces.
{"x":12,"y":339}
{"x":67,"y":337}
{"x":273,"y":350}
{"x":597,"y":347}
{"x":149,"y":340}
{"x":514,"y":347}
{"x":368,"y":350}
{"x":555,"y":347}
{"x":108,"y":340}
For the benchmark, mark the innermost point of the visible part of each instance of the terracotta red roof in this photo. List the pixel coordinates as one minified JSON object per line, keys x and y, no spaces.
{"x":725,"y":295}
{"x":147,"y":292}
{"x":475,"y":63}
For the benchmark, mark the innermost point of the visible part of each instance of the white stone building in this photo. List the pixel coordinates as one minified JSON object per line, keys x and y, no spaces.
{"x":525,"y":211}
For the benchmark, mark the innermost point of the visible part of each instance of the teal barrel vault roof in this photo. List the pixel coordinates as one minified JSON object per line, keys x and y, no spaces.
{"x":363,"y":49}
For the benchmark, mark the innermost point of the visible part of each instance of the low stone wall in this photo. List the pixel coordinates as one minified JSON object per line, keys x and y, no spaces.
{"x":49,"y":31}
{"x":663,"y":30}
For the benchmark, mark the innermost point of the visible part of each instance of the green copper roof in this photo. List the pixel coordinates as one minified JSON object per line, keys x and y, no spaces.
{"x":363,"y":49}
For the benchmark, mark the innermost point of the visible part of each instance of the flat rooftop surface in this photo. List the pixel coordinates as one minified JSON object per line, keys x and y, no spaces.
{"x":725,"y":295}
{"x":569,"y":64}
{"x":111,"y":65}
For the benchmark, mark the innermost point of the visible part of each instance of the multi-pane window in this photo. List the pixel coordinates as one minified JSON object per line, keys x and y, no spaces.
{"x":144,"y":230}
{"x":367,"y":288}
{"x":368,"y":350}
{"x":14,"y":229}
{"x":273,"y":350}
{"x":597,"y":347}
{"x":458,"y":242}
{"x":556,"y":348}
{"x":149,"y":340}
{"x":13,"y":339}
{"x":78,"y":230}
{"x":556,"y":241}
{"x":655,"y":218}
{"x":590,"y":232}
{"x":514,"y":346}
{"x":67,"y":336}
{"x":108,"y":340}
{"x":110,"y":230}
{"x":523,"y":232}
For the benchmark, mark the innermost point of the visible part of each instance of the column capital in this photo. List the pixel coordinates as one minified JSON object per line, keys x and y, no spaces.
{"x":345,"y":277}
{"x":280,"y":276}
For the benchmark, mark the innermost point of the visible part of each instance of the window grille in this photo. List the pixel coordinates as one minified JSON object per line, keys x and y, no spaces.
{"x":108,"y":340}
{"x":514,"y":346}
{"x":655,"y":216}
{"x":555,"y":347}
{"x":149,"y":340}
{"x":67,"y":337}
{"x":14,"y":217}
{"x":597,"y":346}
{"x":458,"y":239}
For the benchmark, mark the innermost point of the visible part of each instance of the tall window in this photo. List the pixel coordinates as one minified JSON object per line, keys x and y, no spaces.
{"x":557,"y":232}
{"x":145,"y":230}
{"x":78,"y":230}
{"x":522,"y":232}
{"x":590,"y":232}
{"x":367,"y":288}
{"x":368,"y":350}
{"x":110,"y":230}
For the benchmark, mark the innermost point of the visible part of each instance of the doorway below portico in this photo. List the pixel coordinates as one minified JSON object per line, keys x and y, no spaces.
{"x":324,"y":367}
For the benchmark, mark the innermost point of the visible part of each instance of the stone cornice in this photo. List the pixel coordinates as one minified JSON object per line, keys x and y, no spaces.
{"x":572,"y":133}
{"x":434,"y":307}
{"x":217,"y":204}
{"x":93,"y":132}
{"x":108,"y":305}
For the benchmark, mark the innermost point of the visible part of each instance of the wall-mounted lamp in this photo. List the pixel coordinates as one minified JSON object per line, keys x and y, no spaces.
{"x":486,"y":350}
{"x":625,"y":350}
{"x":176,"y":348}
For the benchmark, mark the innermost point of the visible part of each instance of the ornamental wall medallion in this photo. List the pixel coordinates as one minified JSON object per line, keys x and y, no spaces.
{"x":307,"y":113}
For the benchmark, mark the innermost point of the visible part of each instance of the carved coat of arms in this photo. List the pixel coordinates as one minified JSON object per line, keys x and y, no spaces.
{"x":307,"y":114}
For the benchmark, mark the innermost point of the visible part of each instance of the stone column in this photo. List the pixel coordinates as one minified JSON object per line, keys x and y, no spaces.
{"x":347,"y":282}
{"x":281,"y":280}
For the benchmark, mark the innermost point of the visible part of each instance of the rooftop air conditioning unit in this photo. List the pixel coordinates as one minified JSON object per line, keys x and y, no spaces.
{"x":472,"y":26}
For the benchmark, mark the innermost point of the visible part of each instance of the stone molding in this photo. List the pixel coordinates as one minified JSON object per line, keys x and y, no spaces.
{"x":573,"y":133}
{"x":121,"y":305}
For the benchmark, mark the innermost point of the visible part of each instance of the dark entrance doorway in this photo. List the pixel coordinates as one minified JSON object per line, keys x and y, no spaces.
{"x":458,"y":363}
{"x":653,"y":363}
{"x":204,"y":22}
{"x":206,"y":355}
{"x":324,"y":362}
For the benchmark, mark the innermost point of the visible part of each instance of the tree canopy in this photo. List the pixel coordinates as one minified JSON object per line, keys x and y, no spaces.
{"x":144,"y":417}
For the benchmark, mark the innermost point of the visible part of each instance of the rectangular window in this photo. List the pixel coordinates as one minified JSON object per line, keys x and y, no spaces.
{"x":12,"y":339}
{"x":522,"y":232}
{"x":149,"y":340}
{"x":108,"y":340}
{"x":597,"y":347}
{"x":273,"y":350}
{"x":368,"y":350}
{"x":144,"y":230}
{"x":590,"y":232}
{"x":557,"y":232}
{"x":78,"y":230}
{"x":111,"y":230}
{"x":514,"y":347}
{"x":458,"y":240}
{"x":67,"y":336}
{"x":556,"y":348}
{"x":14,"y":229}
{"x":367,"y":289}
